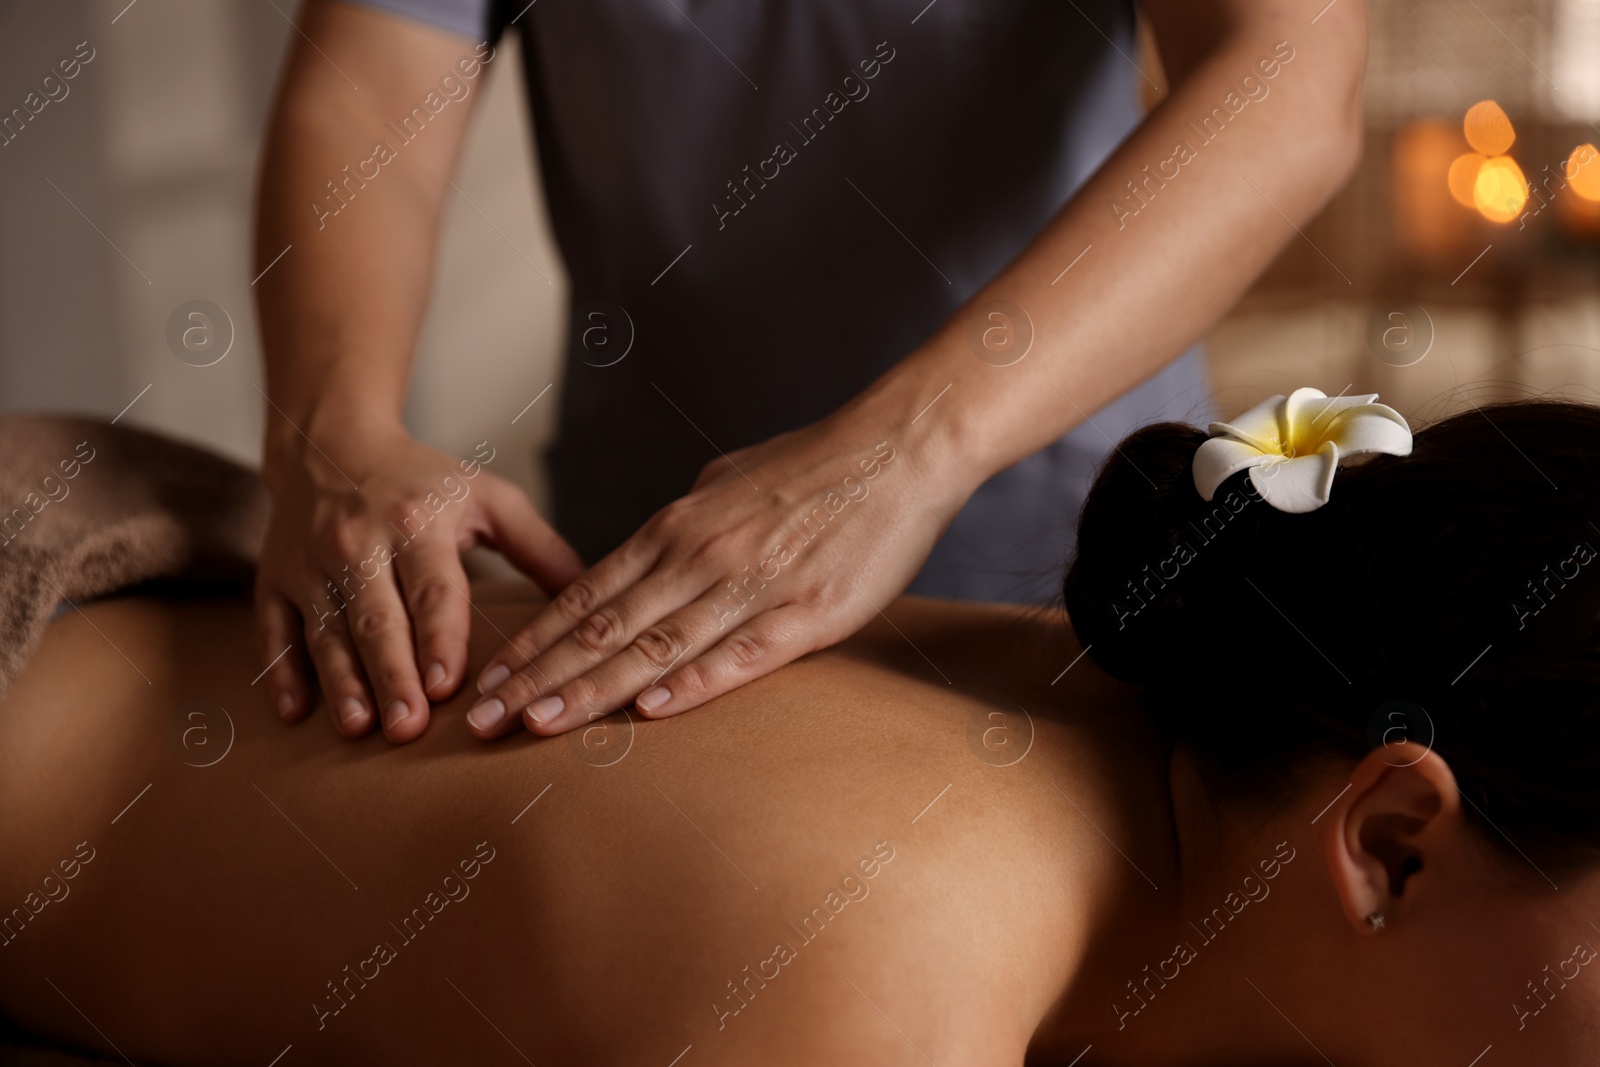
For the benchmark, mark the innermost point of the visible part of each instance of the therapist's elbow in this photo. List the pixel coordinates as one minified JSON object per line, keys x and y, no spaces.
{"x":1334,"y":154}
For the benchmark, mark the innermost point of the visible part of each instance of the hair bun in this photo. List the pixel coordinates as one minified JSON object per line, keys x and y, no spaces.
{"x":1148,"y":546}
{"x":1457,"y":579}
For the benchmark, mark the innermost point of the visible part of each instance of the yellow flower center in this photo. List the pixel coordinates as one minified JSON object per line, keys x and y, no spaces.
{"x":1304,"y":437}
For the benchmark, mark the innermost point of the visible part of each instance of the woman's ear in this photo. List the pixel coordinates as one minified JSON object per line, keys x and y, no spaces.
{"x":1387,"y":836}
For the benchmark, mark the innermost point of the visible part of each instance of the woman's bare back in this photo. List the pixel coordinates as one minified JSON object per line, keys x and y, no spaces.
{"x":869,"y":856}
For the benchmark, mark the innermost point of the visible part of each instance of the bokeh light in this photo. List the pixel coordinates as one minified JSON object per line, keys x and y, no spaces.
{"x":1486,"y":179}
{"x":1488,"y":129}
{"x":1583,"y":172}
{"x":1464,"y":177}
{"x":1500,"y":190}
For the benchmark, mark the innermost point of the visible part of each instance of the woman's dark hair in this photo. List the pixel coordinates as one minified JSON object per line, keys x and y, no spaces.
{"x":1448,"y":596}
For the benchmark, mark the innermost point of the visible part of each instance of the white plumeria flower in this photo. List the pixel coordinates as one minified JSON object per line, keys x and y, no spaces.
{"x":1292,"y":445}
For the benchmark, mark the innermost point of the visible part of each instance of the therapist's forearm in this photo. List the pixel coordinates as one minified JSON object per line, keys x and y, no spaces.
{"x":1151,"y":282}
{"x":341,"y":311}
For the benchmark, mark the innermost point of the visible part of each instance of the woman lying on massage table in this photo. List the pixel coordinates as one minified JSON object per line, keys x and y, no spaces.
{"x":1325,"y":823}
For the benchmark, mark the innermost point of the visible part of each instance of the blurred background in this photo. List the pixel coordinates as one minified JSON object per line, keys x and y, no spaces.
{"x":1451,"y":271}
{"x":1448,"y":272}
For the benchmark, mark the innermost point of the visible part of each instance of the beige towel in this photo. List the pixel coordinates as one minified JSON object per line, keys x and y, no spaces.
{"x":87,"y":508}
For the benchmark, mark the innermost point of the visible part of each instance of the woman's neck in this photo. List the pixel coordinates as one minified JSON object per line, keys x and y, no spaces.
{"x":1181,"y":968}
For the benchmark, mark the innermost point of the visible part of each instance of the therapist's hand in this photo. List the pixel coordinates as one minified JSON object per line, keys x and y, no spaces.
{"x":780,"y":549}
{"x":385,"y":519}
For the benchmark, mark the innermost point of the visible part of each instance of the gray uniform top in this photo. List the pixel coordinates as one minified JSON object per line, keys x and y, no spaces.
{"x":777,"y":201}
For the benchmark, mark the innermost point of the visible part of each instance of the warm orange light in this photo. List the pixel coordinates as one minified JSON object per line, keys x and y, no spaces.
{"x":1500,"y":190}
{"x":1464,"y":177}
{"x":1424,"y":220}
{"x":1486,"y":178}
{"x":1488,"y":129}
{"x":1583,"y":171}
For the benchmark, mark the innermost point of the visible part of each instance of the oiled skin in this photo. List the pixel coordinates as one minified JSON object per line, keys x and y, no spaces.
{"x":616,"y":909}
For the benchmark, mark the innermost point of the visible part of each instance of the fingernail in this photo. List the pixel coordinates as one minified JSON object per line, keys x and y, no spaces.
{"x":434,"y":676}
{"x":487,"y":715}
{"x":285,"y":704}
{"x":350,"y":711}
{"x":545,"y":708}
{"x":492,"y":677}
{"x":395,"y":713}
{"x":651,"y":699}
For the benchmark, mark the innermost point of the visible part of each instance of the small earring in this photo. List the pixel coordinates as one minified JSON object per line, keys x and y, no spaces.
{"x":1375,"y":920}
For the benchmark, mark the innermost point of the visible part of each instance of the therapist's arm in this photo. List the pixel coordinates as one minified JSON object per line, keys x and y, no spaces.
{"x":355,"y":500}
{"x":723,"y":586}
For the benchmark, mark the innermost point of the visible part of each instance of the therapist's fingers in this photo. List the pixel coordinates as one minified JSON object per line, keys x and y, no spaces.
{"x":636,"y":620}
{"x":762,"y":645}
{"x":339,"y":672}
{"x":619,"y":649}
{"x":282,"y":659}
{"x":522,"y":535}
{"x":381,"y":629}
{"x":581,"y":600}
{"x":435,"y":588}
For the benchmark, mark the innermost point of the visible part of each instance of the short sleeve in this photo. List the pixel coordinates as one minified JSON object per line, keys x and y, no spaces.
{"x":477,"y":20}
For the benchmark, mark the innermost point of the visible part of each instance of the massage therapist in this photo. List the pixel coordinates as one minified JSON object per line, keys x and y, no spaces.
{"x":895,"y":275}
